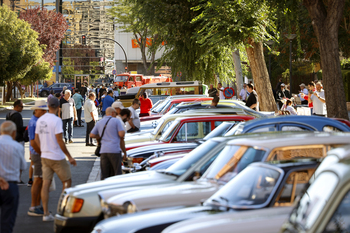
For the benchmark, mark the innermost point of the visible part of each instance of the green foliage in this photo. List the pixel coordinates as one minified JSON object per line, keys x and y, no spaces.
{"x":345,"y":64}
{"x":19,"y":47}
{"x":41,"y":71}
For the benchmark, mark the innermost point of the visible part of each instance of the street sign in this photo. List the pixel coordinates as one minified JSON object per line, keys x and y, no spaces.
{"x":229,"y":92}
{"x":114,"y":72}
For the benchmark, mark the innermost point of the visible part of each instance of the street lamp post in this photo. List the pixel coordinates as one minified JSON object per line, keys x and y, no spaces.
{"x":290,"y":37}
{"x":270,"y":43}
{"x":126,"y":59}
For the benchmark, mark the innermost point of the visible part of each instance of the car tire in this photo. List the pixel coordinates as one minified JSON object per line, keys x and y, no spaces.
{"x":44,"y":94}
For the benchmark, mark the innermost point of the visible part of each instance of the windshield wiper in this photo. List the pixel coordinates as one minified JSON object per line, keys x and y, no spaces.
{"x":169,"y":173}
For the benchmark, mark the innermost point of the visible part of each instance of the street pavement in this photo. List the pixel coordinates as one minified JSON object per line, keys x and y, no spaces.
{"x":80,"y":174}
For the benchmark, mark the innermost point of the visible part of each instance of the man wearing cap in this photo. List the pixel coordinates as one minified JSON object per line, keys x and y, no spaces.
{"x":40,"y":108}
{"x":282,"y":94}
{"x":91,"y":116}
{"x":304,"y":91}
{"x":48,"y":135}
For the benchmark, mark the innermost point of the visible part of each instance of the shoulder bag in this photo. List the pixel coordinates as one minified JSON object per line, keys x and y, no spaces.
{"x":98,"y":148}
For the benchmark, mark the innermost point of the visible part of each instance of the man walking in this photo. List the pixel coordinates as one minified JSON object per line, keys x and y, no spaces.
{"x":78,"y":101}
{"x":212,"y":91}
{"x":91,"y":116}
{"x":83,"y":91}
{"x":252,"y":101}
{"x":109,"y":131}
{"x":16,"y":117}
{"x":11,"y":162}
{"x":123,"y":116}
{"x":221,"y":91}
{"x":282,"y":94}
{"x":40,"y":108}
{"x":318,"y":100}
{"x":67,"y":111}
{"x":243,"y":94}
{"x":107,"y":102}
{"x":48,"y":135}
{"x":134,"y":123}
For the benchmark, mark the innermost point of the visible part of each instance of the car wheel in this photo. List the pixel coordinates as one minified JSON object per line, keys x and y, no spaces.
{"x":44,"y":94}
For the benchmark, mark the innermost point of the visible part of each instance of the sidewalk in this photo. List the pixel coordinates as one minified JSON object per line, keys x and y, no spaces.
{"x":95,"y":172}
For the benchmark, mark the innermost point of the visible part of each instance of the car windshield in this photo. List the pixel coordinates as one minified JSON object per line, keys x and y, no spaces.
{"x":172,"y":111}
{"x":237,"y":129}
{"x":121,"y":78}
{"x":159,"y":124}
{"x":314,"y":199}
{"x":252,"y":187}
{"x":190,"y":159}
{"x":231,"y":161}
{"x":219,"y":131}
{"x":160,"y":107}
{"x":166,"y":136}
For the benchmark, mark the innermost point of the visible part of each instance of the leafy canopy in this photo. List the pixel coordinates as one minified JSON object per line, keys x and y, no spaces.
{"x":19,"y":47}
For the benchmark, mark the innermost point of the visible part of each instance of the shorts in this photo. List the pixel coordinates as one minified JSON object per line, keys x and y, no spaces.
{"x":36,"y":159}
{"x":60,"y":167}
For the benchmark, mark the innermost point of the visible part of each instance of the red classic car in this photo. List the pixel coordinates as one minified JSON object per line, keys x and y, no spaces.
{"x":171,"y":103}
{"x":189,"y":129}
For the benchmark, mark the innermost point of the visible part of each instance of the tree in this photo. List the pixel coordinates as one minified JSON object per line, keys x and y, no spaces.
{"x":239,"y":21}
{"x":51,"y":27}
{"x":173,"y":21}
{"x":326,"y":17}
{"x":40,"y":71}
{"x":19,"y":48}
{"x":127,"y":14}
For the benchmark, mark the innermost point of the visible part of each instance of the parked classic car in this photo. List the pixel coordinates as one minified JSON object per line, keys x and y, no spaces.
{"x":259,"y":221}
{"x":84,"y":218}
{"x":237,"y":154}
{"x":187,"y":129}
{"x":325,"y":206}
{"x":260,"y":185}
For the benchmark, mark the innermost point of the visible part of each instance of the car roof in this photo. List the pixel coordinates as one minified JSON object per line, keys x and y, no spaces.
{"x":171,"y":84}
{"x":310,"y":120}
{"x":188,"y":99}
{"x":284,"y":139}
{"x":215,"y":117}
{"x":187,"y":114}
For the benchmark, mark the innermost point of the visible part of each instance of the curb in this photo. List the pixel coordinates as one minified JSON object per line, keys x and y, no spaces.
{"x":10,"y":107}
{"x":95,"y":172}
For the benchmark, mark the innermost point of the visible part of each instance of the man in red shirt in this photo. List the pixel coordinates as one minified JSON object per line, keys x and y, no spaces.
{"x":146,"y":105}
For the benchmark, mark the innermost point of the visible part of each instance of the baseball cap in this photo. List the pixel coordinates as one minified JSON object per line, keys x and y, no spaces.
{"x":117,"y":104}
{"x":302,"y":85}
{"x":53,"y":102}
{"x":282,"y":84}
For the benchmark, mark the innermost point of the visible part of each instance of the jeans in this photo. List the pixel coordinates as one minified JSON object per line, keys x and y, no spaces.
{"x":111,"y":164}
{"x":78,"y":122}
{"x":68,"y":129}
{"x":9,"y":205}
{"x":89,"y":126}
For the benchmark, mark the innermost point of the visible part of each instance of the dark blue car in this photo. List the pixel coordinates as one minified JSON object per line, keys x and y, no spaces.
{"x":56,"y":87}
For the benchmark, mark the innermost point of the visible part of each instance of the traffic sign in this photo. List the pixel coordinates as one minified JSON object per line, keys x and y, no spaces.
{"x":229,"y":92}
{"x":114,"y":72}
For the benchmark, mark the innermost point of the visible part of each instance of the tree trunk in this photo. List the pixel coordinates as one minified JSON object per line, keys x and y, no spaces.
{"x":8,"y":91}
{"x":261,"y":76}
{"x":238,"y":71}
{"x":326,"y":21}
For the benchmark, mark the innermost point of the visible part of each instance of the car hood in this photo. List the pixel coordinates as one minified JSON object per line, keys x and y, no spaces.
{"x":141,"y":144}
{"x":138,"y":178}
{"x":139,"y":133}
{"x":144,"y":137}
{"x":178,"y":194}
{"x":153,"y":221}
{"x":259,"y":221}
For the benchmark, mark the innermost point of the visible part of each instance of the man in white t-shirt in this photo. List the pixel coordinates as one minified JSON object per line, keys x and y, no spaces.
{"x":134,"y":123}
{"x":48,"y":135}
{"x":318,"y":100}
{"x":221,"y":91}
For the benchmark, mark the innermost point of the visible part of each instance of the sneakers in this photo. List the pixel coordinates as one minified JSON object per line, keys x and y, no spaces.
{"x":48,"y":218}
{"x":71,"y":141}
{"x":21,"y":183}
{"x":35,"y":211}
{"x":30,"y":183}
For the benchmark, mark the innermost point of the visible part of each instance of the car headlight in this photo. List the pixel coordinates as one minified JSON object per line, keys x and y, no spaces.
{"x":130,"y":207}
{"x":74,"y":205}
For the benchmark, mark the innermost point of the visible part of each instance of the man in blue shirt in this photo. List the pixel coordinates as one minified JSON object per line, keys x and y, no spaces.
{"x":107,"y":102}
{"x":78,"y":100}
{"x":40,"y":108}
{"x":110,"y":143}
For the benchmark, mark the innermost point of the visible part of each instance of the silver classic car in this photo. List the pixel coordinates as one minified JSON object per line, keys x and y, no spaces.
{"x":237,"y":155}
